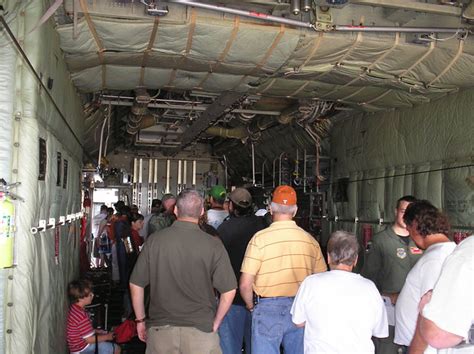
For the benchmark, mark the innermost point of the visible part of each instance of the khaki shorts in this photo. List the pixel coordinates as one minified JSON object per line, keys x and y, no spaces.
{"x":181,"y":340}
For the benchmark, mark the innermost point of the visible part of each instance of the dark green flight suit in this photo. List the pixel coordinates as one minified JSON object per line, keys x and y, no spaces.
{"x":160,"y":221}
{"x":387,"y":263}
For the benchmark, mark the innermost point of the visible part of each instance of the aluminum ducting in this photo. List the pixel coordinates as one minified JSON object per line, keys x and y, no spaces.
{"x":138,"y":110}
{"x":232,"y":133}
{"x":242,"y":132}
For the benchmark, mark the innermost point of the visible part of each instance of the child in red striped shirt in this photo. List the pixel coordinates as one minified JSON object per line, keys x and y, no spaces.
{"x":80,"y":333}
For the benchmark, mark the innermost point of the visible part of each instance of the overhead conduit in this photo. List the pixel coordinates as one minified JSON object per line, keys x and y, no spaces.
{"x":337,"y":28}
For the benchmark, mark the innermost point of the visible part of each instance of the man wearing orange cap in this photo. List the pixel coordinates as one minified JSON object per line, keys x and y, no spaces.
{"x":277,"y":260}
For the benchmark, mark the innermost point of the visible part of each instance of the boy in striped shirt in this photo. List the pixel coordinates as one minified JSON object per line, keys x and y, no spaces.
{"x":81,"y":336}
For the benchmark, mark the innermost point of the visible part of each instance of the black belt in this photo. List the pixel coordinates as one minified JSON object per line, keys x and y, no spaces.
{"x":258,"y":297}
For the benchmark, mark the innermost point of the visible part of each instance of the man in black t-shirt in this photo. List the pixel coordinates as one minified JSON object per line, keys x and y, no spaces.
{"x":236,"y":233}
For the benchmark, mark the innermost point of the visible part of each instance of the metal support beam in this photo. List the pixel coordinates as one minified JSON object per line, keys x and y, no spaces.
{"x":223,"y":104}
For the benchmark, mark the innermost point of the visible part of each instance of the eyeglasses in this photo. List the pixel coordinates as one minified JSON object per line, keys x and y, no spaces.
{"x":91,"y":294}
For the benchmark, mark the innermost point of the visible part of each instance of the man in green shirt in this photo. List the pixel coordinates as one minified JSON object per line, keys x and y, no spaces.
{"x":389,"y":258}
{"x":183,"y":265}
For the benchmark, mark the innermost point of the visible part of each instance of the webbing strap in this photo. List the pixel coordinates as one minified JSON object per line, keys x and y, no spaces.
{"x":224,"y":53}
{"x":98,"y":42}
{"x":450,"y":65}
{"x":189,"y":44}
{"x":265,"y":57}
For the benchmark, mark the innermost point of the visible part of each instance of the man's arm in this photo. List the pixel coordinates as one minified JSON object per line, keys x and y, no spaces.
{"x":246,"y":289}
{"x":431,"y":333}
{"x":418,"y":344}
{"x":437,"y":337}
{"x":225,"y":302}
{"x":138,"y":294}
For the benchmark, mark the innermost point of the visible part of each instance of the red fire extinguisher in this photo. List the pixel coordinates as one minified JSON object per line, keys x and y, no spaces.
{"x":367,"y":233}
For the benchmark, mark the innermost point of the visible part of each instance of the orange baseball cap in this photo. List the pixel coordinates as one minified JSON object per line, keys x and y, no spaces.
{"x":284,"y":195}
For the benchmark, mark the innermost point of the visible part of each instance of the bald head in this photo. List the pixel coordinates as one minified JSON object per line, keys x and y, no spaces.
{"x":189,"y":204}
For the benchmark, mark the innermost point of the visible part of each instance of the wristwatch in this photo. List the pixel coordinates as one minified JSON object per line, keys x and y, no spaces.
{"x":140,"y":320}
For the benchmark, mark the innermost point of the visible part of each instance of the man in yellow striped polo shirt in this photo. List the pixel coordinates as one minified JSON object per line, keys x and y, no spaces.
{"x":276,"y":262}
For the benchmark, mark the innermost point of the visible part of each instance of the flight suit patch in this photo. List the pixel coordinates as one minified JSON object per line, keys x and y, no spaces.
{"x":415,"y":250}
{"x":401,"y":253}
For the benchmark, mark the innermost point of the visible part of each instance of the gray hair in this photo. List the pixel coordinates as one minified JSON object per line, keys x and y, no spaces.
{"x":189,"y":204}
{"x":343,"y":248}
{"x":284,"y":209}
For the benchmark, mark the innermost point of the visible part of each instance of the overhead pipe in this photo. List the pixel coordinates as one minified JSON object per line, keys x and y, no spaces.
{"x":337,"y":28}
{"x":393,"y":29}
{"x":245,"y":13}
{"x":177,"y":105}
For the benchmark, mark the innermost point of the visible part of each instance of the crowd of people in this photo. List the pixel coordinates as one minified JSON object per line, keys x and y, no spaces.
{"x":225,"y":279}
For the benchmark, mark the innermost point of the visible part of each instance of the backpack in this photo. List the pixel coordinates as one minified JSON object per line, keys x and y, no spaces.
{"x":125,"y":331}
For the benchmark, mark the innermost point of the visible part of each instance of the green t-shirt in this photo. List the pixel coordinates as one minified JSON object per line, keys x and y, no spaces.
{"x":183,"y":265}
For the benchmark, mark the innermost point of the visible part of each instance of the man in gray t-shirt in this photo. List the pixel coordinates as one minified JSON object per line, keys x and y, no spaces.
{"x":183,"y":265}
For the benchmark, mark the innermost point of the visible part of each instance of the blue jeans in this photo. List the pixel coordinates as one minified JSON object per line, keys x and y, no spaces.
{"x":234,"y":329}
{"x":272,"y":327}
{"x":104,"y":348}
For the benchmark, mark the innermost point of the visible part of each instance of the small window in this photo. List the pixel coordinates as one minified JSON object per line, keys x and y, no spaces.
{"x":58,"y":169}
{"x":65,"y":173}
{"x":43,"y":158}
